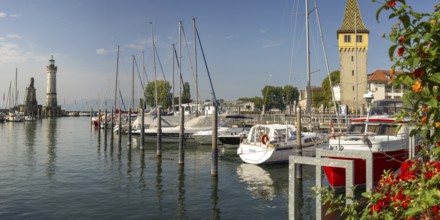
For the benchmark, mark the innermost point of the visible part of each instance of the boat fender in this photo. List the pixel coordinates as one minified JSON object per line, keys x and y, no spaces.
{"x":264,"y":139}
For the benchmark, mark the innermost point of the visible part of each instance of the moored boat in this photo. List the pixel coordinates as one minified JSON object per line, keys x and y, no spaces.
{"x":273,"y":143}
{"x":379,"y":134}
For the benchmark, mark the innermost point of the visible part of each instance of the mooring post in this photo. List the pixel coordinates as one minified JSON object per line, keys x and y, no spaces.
{"x":99,"y":121}
{"x":182,"y":136}
{"x":159,"y":132}
{"x":142,"y":127}
{"x":214,"y":149}
{"x":298,"y":142}
{"x":105,"y":122}
{"x":112,"y":123}
{"x":91,"y":117}
{"x":129,"y":127}
{"x":120,"y":126}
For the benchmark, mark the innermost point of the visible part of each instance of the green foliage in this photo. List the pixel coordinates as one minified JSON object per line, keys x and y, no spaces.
{"x":186,"y":93}
{"x":291,"y":95}
{"x":163,"y":93}
{"x":414,"y":192}
{"x":258,"y":101}
{"x":327,"y":90}
{"x":273,"y":97}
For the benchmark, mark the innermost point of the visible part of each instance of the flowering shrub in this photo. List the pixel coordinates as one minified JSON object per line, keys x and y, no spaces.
{"x":414,"y":193}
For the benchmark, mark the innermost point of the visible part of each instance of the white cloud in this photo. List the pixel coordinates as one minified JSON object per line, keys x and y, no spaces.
{"x":230,"y":37}
{"x":14,"y":36}
{"x":262,"y":31}
{"x":10,"y":52}
{"x":265,"y":43}
{"x":140,"y":44}
{"x":2,"y":14}
{"x":102,"y":51}
{"x":14,"y":16}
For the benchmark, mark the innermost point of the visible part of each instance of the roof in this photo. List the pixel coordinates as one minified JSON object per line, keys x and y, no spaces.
{"x":384,"y":76}
{"x":352,"y":21}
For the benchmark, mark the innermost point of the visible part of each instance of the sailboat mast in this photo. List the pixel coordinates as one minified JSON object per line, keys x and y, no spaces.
{"x":308,"y":89}
{"x":172,"y":54}
{"x":195,"y":63}
{"x":116,"y":81}
{"x":16,"y":92}
{"x":132,"y":85}
{"x":154,"y":63}
{"x":180,"y":61}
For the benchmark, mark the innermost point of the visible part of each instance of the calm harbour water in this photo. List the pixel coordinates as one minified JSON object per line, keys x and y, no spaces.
{"x":62,"y":169}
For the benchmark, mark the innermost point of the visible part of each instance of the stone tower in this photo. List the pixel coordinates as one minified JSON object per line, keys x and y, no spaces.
{"x":52,"y":108}
{"x":353,"y":48}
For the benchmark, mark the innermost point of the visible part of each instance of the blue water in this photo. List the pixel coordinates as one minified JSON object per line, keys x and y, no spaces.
{"x":63,"y":169}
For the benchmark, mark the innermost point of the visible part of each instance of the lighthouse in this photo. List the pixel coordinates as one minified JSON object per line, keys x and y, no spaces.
{"x":52,"y":108}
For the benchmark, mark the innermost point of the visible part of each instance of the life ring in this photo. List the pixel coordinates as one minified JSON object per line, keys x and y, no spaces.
{"x":264,"y":139}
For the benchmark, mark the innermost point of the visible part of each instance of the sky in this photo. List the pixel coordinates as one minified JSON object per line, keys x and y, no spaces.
{"x":248,"y":44}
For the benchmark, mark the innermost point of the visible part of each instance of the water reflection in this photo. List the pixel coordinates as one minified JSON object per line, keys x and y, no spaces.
{"x":51,"y":143}
{"x":159,"y":185}
{"x":142,"y":183}
{"x":181,"y":189}
{"x":258,"y":180}
{"x":214,"y":198}
{"x":30,"y":130}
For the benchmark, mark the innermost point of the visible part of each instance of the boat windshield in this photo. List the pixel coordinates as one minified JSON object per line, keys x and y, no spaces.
{"x":257,"y":132}
{"x":387,"y":107}
{"x":378,"y":129}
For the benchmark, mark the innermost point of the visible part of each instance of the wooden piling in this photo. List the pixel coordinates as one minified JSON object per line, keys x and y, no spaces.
{"x":142,"y":127}
{"x":91,"y":116}
{"x":214,"y":148}
{"x":105,"y":122}
{"x":298,"y":142}
{"x":112,"y":123}
{"x":120,"y":127}
{"x":159,"y":132}
{"x":181,"y":136}
{"x":129,"y":127}
{"x":99,"y":120}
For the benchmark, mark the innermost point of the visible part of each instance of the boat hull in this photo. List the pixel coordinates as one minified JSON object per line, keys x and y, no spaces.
{"x":381,"y":162}
{"x":260,"y":154}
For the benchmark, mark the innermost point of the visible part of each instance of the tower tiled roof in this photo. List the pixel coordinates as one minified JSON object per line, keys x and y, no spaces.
{"x":352,"y":19}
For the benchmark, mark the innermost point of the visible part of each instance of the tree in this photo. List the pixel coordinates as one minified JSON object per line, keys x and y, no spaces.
{"x":273,"y":97}
{"x":163,"y":93}
{"x":327,"y":90}
{"x":186,"y":94}
{"x":291,"y":96}
{"x":258,"y":101}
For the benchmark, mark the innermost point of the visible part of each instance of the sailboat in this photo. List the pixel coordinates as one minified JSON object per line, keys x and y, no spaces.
{"x":274,"y":143}
{"x":14,"y":115}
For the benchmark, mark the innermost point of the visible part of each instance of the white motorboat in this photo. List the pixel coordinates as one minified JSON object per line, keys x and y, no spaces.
{"x":171,"y":134}
{"x":205,"y":136}
{"x":380,"y":134}
{"x":274,"y":143}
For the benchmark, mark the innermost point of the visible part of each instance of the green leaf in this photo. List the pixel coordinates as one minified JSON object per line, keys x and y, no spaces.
{"x":435,"y":78}
{"x":415,"y":62}
{"x":405,"y":20}
{"x":391,"y":51}
{"x":413,"y":211}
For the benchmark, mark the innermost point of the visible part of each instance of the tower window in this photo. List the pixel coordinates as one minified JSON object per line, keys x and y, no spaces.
{"x":359,"y":38}
{"x":352,"y":58}
{"x":347,"y":39}
{"x":352,"y":72}
{"x":353,"y":88}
